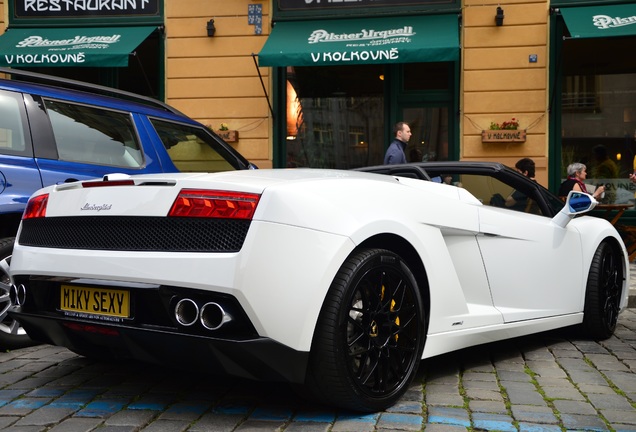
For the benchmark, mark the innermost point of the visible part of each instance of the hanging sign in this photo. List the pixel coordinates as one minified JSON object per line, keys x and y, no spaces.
{"x":504,"y":136}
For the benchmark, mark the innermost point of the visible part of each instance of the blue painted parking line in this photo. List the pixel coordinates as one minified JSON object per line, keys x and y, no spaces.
{"x":70,"y":404}
{"x":272,"y":414}
{"x":6,"y":396}
{"x":46,"y":392}
{"x":198,"y":408}
{"x":498,"y":422}
{"x":408,"y":420}
{"x":363,"y":418}
{"x":449,"y":416}
{"x":315,"y":416}
{"x":147,"y":405}
{"x":410,"y":407}
{"x":28,"y":403}
{"x":533,"y":427}
{"x":74,"y":399}
{"x":104,"y":408}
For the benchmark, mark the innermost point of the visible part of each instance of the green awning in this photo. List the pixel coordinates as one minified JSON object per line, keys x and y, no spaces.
{"x":431,"y":38}
{"x":95,"y":46}
{"x":601,"y":20}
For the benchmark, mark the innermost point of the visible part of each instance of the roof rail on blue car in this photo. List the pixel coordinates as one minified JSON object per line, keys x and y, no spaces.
{"x":87,"y":87}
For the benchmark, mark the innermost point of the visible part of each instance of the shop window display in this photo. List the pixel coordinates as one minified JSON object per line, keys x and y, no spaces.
{"x":598,"y":121}
{"x":336,"y":115}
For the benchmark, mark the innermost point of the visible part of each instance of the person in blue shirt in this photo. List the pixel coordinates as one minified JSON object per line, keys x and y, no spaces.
{"x":395,"y":153}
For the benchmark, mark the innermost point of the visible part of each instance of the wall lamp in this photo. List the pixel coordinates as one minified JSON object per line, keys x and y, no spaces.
{"x":212,"y":29}
{"x":500,"y":16}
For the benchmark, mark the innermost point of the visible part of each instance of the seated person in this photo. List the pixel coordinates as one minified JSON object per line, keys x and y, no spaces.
{"x":577,"y":173}
{"x":517,"y":200}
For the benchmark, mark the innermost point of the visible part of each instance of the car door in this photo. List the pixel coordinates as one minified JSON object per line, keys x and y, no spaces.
{"x":19,"y":175}
{"x":533,"y":266}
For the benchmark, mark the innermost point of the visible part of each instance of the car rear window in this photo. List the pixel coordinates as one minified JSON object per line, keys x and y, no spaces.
{"x":94,"y":135}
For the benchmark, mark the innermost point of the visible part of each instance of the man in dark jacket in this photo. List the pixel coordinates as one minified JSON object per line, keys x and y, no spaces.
{"x":395,"y":153}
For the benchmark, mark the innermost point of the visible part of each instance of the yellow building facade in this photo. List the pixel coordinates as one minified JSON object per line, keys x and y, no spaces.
{"x":215,"y":80}
{"x":499,"y":82}
{"x":502,"y":72}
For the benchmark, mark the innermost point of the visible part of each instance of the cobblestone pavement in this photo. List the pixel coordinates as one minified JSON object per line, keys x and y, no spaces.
{"x":547,"y":382}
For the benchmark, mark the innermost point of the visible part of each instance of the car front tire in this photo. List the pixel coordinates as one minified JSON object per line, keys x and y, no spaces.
{"x":603,"y":292}
{"x":370,"y":334}
{"x":12,"y":335}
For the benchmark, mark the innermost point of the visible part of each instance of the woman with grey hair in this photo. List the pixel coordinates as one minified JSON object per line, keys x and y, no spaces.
{"x":577,"y":173}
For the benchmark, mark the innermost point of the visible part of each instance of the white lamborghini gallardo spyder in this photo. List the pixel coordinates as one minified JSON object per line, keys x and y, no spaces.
{"x":341,"y":281}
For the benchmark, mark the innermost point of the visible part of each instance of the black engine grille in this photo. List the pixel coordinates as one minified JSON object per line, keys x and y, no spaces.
{"x":135,"y":233}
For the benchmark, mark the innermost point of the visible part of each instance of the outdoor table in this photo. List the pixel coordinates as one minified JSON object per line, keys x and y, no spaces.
{"x":609,"y":208}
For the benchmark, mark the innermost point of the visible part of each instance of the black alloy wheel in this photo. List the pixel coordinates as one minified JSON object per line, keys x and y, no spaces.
{"x":370,"y":335}
{"x":603,"y":292}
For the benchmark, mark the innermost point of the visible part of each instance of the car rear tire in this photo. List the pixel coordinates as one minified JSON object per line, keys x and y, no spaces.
{"x":370,"y":334}
{"x":12,"y":335}
{"x":603,"y":292}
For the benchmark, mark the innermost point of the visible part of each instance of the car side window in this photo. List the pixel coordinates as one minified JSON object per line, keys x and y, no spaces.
{"x":494,"y":192}
{"x":13,"y":139}
{"x":192,"y":149}
{"x":93,"y":135}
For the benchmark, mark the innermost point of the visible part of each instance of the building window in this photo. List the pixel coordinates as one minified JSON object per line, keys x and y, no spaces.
{"x":335,"y":116}
{"x":580,"y":94}
{"x":598,"y":121}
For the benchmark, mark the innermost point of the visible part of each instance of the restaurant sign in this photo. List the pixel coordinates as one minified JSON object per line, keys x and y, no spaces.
{"x":617,"y":20}
{"x":57,"y":47}
{"x":48,"y":9}
{"x":340,"y":4}
{"x":503,"y":136}
{"x":362,"y":41}
{"x":603,"y":22}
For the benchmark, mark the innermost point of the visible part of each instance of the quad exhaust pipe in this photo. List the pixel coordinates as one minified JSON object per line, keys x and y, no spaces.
{"x":186,"y":312}
{"x":211,"y":315}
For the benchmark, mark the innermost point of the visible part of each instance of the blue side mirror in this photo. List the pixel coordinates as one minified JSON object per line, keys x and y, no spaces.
{"x":576,"y":203}
{"x":580,"y":202}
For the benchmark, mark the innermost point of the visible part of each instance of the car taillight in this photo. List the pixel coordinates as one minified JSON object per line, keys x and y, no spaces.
{"x":214,"y":204}
{"x":36,"y":207}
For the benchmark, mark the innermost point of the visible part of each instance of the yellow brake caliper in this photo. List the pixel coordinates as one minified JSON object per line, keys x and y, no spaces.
{"x":374,"y":327}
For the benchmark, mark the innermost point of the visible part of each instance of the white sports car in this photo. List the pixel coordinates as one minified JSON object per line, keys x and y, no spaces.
{"x":340,"y":281}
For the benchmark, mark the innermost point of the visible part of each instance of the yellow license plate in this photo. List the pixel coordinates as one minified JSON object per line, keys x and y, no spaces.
{"x":95,"y":301}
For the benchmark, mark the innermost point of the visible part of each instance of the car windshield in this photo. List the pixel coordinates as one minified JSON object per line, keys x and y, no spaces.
{"x":193,"y":149}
